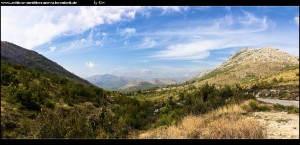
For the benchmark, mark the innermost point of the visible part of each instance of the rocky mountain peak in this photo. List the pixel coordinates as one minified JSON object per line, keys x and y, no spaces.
{"x":264,"y":54}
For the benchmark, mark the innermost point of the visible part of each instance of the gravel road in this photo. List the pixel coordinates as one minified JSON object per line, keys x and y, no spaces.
{"x":282,"y":102}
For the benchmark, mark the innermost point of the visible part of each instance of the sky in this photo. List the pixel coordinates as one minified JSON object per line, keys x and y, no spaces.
{"x":148,"y":42}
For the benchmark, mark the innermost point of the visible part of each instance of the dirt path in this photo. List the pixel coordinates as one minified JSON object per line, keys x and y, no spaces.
{"x":279,"y":125}
{"x":282,"y":102}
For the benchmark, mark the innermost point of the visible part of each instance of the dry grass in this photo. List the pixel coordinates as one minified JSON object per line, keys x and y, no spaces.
{"x":226,"y":122}
{"x":235,"y":127}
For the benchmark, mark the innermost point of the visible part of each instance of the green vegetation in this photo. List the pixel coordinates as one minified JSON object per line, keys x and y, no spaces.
{"x":260,"y":108}
{"x":254,"y":106}
{"x":208,"y":98}
{"x":33,"y":89}
{"x":289,"y":109}
{"x":199,"y":101}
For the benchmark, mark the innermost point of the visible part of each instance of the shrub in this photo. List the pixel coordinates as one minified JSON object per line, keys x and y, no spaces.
{"x":49,"y":104}
{"x":61,"y":123}
{"x":25,"y":97}
{"x":280,"y":79}
{"x":253,"y":105}
{"x":289,"y":109}
{"x":263,"y":108}
{"x":181,"y":96}
{"x":274,"y":80}
{"x":279,"y":106}
{"x":166,"y":109}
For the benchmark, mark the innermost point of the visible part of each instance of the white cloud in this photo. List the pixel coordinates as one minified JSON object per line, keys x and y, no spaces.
{"x":229,"y":31}
{"x":228,"y":9}
{"x":251,"y":20}
{"x":196,"y":36}
{"x":200,"y":49}
{"x":125,"y":43}
{"x":89,"y":64}
{"x":169,"y":9}
{"x":51,"y":49}
{"x":224,"y":26}
{"x":99,"y":43}
{"x":104,"y":34}
{"x":82,"y":43}
{"x":34,"y":26}
{"x":147,"y":43}
{"x":89,"y":41}
{"x":297,"y":20}
{"x":188,"y":51}
{"x":127,"y":31}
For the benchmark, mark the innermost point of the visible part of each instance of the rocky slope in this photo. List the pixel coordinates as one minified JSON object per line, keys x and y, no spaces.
{"x":264,"y":55}
{"x":250,"y":64}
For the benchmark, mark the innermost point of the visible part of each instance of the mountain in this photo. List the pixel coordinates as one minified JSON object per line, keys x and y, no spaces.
{"x":249,"y":64}
{"x":18,"y":55}
{"x":264,"y":55}
{"x":137,"y":86}
{"x":108,"y":81}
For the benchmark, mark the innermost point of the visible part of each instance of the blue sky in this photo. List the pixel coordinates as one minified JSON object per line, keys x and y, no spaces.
{"x":148,"y":42}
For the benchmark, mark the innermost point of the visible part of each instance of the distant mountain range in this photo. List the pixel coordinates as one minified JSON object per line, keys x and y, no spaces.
{"x":18,"y":55}
{"x":113,"y":82}
{"x":108,"y":81}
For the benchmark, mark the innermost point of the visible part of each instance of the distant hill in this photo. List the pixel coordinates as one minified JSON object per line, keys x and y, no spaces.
{"x":137,"y":86}
{"x":249,"y":64}
{"x":162,"y":82}
{"x":18,"y":55}
{"x":113,"y":82}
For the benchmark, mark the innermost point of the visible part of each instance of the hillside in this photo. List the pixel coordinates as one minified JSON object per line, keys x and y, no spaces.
{"x":26,"y":92}
{"x":18,"y":55}
{"x":249,"y":64}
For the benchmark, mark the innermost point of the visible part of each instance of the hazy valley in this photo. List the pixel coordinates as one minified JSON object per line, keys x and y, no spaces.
{"x":113,"y":82}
